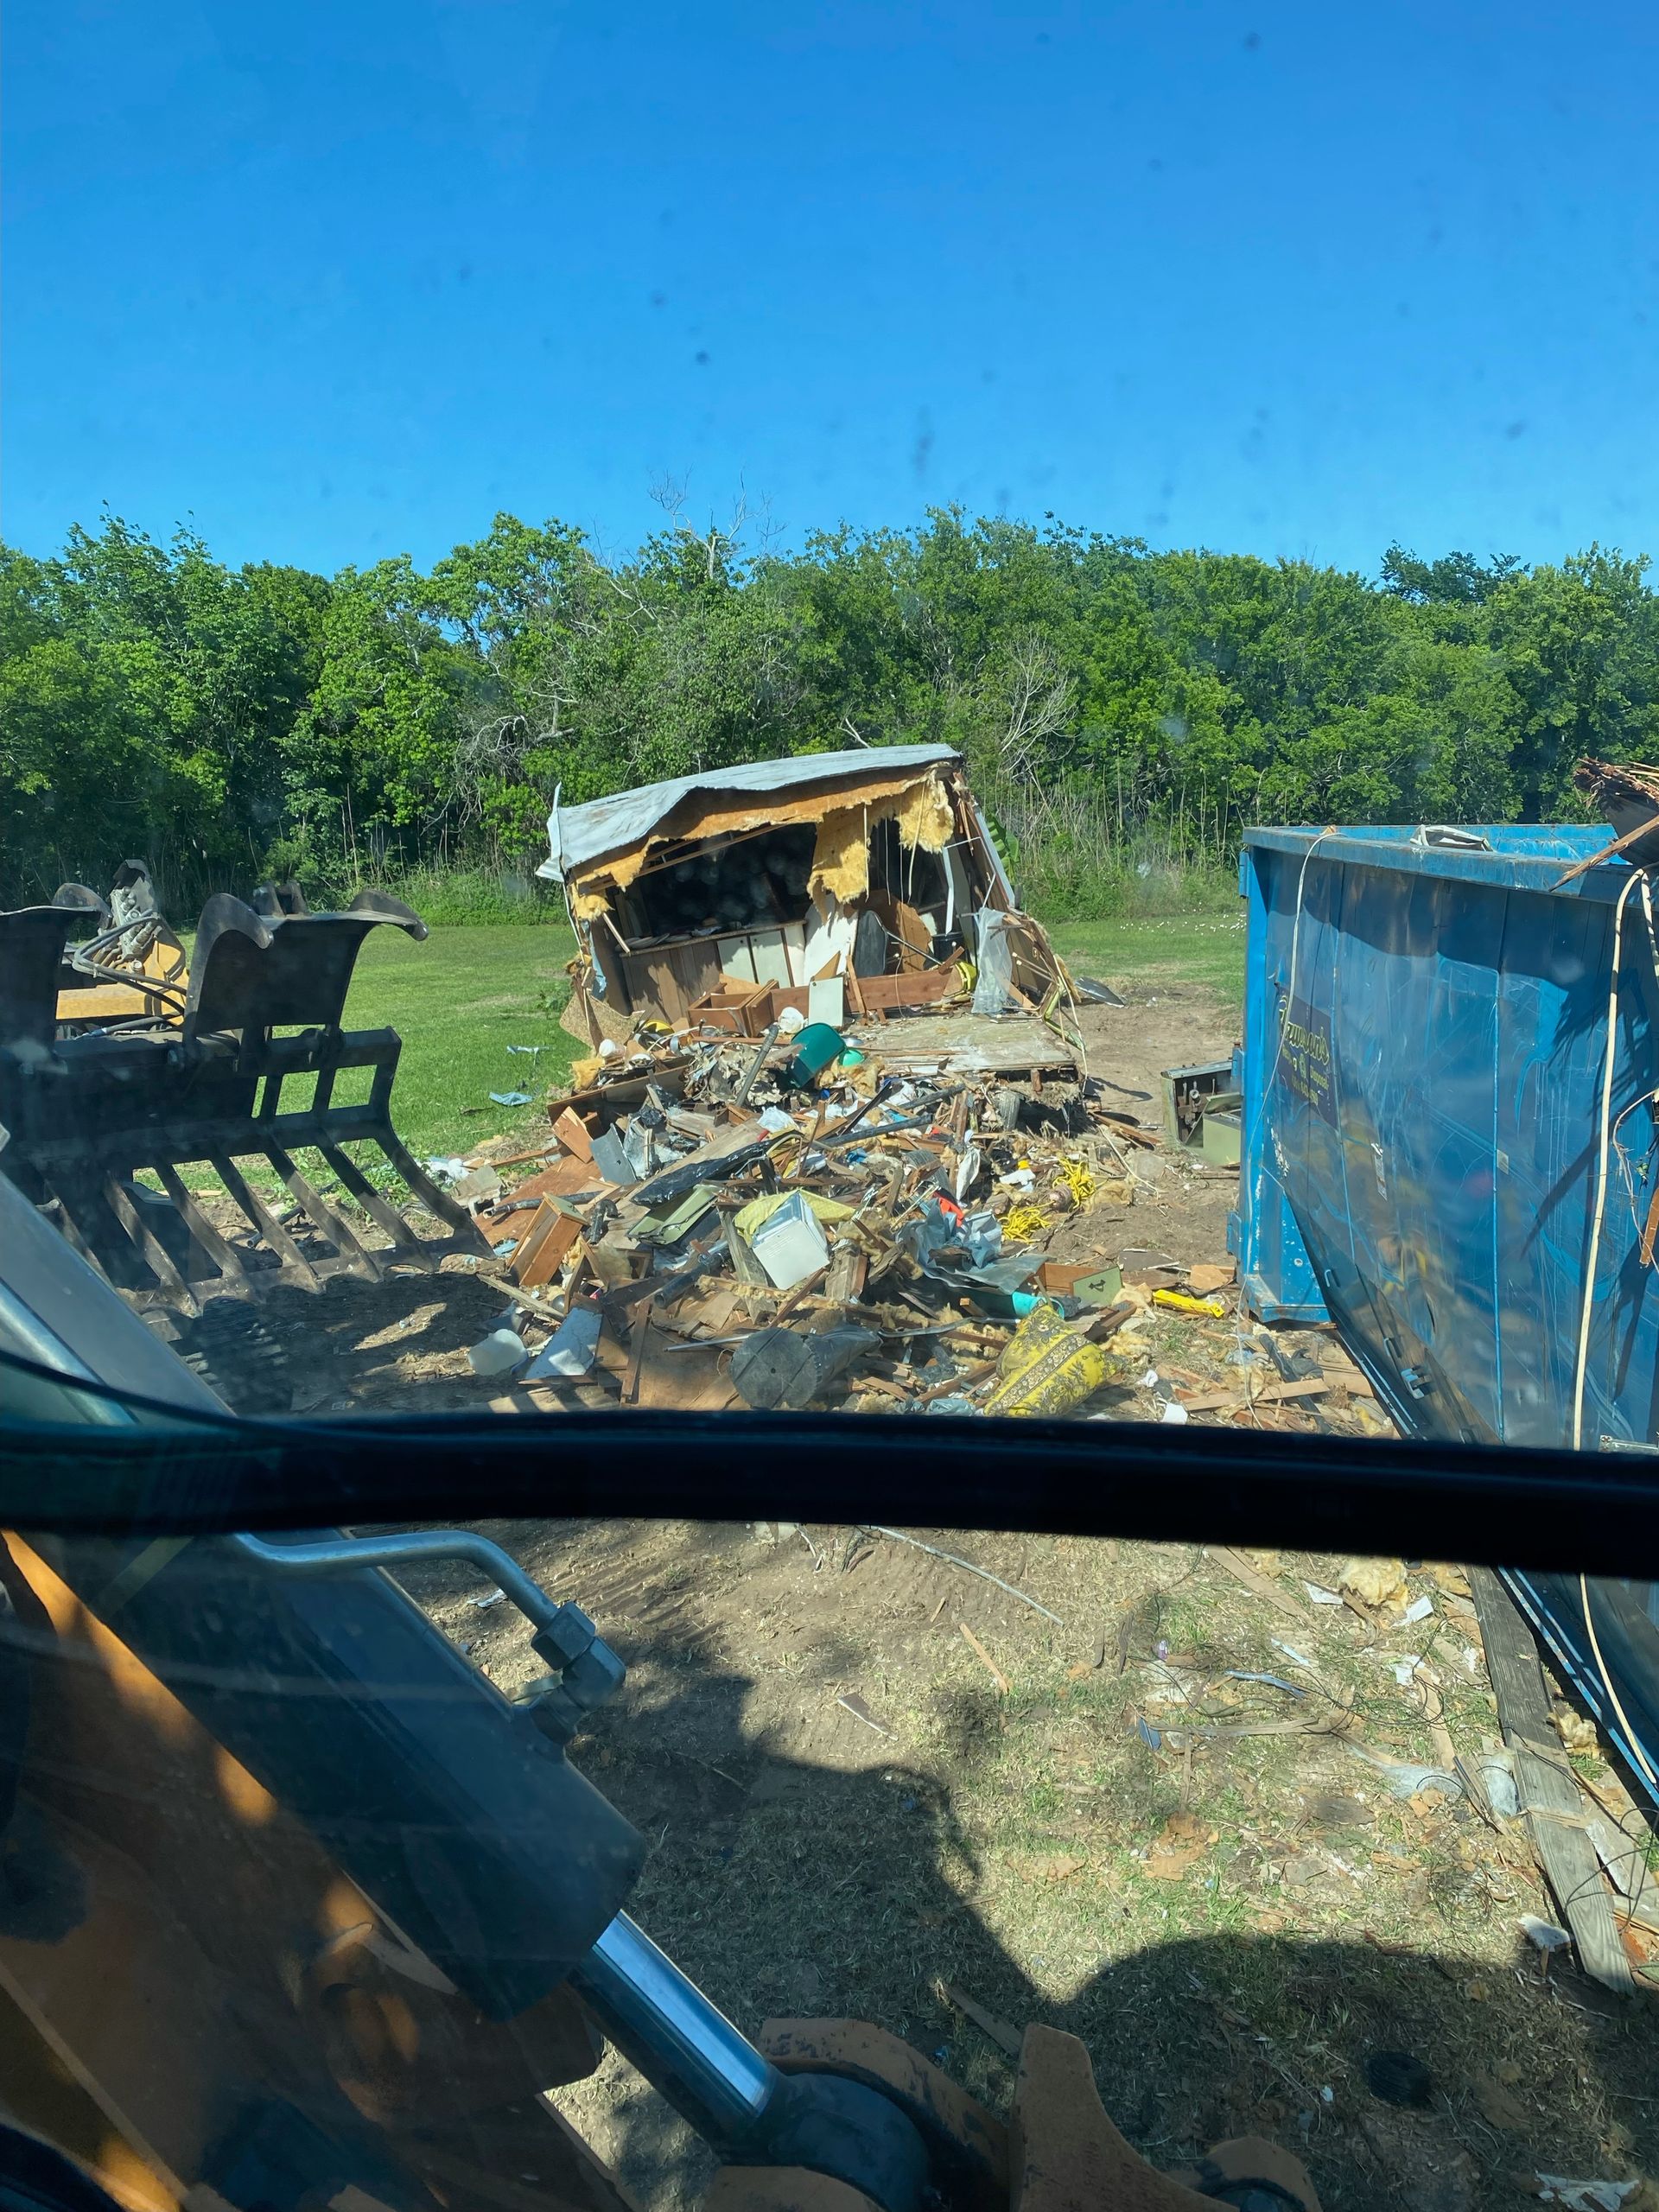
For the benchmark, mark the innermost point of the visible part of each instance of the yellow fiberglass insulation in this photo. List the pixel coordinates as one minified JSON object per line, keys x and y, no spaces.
{"x":841,"y":860}
{"x":920,"y":806}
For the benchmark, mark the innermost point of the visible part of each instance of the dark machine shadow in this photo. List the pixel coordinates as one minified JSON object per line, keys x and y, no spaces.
{"x":788,"y":1889}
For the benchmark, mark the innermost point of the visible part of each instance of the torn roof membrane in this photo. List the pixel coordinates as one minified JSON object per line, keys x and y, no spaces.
{"x":622,"y":828}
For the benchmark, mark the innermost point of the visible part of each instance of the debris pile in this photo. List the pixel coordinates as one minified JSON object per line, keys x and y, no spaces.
{"x":718,"y":1220}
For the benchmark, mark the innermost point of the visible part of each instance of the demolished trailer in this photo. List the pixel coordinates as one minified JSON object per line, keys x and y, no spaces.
{"x":847,"y":886}
{"x":1451,"y":1150}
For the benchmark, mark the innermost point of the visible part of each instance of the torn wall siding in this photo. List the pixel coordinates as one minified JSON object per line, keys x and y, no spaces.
{"x":602,"y":847}
{"x":799,"y":877}
{"x":579,"y":835}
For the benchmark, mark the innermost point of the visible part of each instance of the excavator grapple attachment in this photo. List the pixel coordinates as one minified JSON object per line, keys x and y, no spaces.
{"x":115,"y":1129}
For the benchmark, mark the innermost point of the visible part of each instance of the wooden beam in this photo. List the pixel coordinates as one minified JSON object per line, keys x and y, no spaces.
{"x":1607,"y":852}
{"x":1546,"y":1784}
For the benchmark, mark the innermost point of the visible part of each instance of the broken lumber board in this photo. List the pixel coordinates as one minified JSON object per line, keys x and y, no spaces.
{"x":847,"y":1268}
{"x":626,"y":1090}
{"x":1351,"y":1379}
{"x":1215,"y":1402}
{"x":539,"y":1258}
{"x":502,"y":1227}
{"x":891,"y":993}
{"x":1253,"y":1578}
{"x":546,"y":1153}
{"x":1546,"y":1784}
{"x":1006,"y":2037}
{"x":574,"y":1133}
{"x":1004,"y":1686}
{"x":692,"y":1381}
{"x":567,"y":1178}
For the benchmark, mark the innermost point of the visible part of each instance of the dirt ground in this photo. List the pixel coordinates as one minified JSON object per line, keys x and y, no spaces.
{"x":850,"y":1810}
{"x":1183,"y":1206}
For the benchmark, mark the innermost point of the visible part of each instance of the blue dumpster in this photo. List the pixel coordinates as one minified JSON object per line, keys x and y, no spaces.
{"x":1426,"y":1066}
{"x":1449,"y":1143}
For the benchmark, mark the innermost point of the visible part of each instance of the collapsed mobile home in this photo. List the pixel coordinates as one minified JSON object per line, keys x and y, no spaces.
{"x":850,"y":887}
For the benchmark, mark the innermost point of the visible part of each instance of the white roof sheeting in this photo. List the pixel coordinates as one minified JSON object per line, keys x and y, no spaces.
{"x":577,"y":835}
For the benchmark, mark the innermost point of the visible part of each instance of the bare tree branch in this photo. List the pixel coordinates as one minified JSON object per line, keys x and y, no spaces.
{"x":716,"y":544}
{"x":1038,"y":696}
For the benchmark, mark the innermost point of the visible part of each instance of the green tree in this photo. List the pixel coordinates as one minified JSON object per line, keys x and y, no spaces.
{"x":1580,"y":649}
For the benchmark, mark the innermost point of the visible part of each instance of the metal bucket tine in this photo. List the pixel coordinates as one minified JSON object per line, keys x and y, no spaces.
{"x":354,"y":1258}
{"x":99,"y":1231}
{"x":296,"y":1267}
{"x":225,"y":1256}
{"x":436,"y":1202}
{"x":378,"y":1208}
{"x":172,"y":1282}
{"x":266,"y":1003}
{"x":71,"y":1228}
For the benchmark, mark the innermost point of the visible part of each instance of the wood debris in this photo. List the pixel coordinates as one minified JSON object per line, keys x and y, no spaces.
{"x":989,"y":1664}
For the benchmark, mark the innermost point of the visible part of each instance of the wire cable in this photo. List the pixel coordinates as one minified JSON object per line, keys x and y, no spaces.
{"x":1638,"y":1756}
{"x":1586,"y":1305}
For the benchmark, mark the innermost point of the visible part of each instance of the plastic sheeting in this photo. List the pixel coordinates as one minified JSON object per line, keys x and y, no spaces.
{"x":1426,"y":1067}
{"x":993,"y":991}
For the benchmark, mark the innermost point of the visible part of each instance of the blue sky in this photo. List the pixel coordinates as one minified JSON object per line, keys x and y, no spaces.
{"x":341,"y":280}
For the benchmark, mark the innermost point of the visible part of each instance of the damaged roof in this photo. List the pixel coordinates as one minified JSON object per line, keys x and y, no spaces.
{"x":578,"y":836}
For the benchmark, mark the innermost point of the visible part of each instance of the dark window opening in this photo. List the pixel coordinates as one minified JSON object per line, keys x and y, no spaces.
{"x":907,"y":874}
{"x":756,"y":883}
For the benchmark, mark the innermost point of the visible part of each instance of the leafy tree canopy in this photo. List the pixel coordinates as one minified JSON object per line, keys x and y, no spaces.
{"x":223,"y":724}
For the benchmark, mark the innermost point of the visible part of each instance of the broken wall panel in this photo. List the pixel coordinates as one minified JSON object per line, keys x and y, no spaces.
{"x":603,"y":849}
{"x":802,"y":876}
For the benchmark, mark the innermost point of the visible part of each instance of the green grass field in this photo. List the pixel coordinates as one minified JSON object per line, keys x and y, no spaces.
{"x":1205,"y":947}
{"x":471,"y":990}
{"x":458,"y":1001}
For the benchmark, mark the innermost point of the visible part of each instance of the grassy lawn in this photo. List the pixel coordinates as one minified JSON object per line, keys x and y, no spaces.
{"x":1207,"y":948}
{"x":472,"y":989}
{"x":458,"y":1001}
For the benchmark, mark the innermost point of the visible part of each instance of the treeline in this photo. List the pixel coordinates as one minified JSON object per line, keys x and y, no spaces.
{"x":1116,"y":703}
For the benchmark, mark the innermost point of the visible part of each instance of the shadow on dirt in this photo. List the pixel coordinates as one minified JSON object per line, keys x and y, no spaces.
{"x":786,"y":1889}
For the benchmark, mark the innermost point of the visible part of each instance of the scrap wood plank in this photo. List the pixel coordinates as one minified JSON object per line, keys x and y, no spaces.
{"x":567,"y":1178}
{"x":1351,"y":1379}
{"x":545,"y":1151}
{"x":668,"y":1073}
{"x":543,"y":1249}
{"x":573,"y":1134}
{"x":1121,"y":1126}
{"x":1253,"y":1578}
{"x":1006,"y":2036}
{"x":1607,"y":852}
{"x":637,"y":1355}
{"x":889,"y":994}
{"x":690,"y":1380}
{"x":1546,"y":1784}
{"x":991,"y":1668}
{"x":1214,"y":1402}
